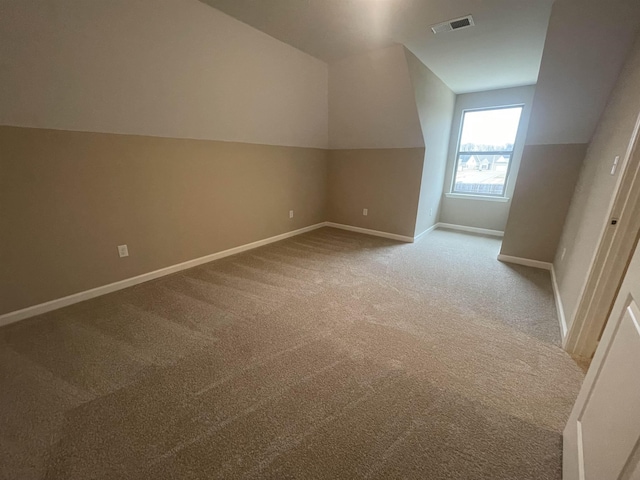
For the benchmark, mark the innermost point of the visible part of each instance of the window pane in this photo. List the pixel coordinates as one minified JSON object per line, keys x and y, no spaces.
{"x":490,"y":130}
{"x":481,"y":174}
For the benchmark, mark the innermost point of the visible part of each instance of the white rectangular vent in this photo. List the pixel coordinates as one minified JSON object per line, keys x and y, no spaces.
{"x":455,"y":24}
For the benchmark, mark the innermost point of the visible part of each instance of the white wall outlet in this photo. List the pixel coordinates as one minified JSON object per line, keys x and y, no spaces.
{"x":564,"y":251}
{"x":614,"y":167}
{"x":365,"y":211}
{"x":123,"y":251}
{"x":431,"y":212}
{"x":290,"y":213}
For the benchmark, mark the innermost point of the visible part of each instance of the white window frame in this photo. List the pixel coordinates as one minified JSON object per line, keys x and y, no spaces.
{"x":485,"y":196}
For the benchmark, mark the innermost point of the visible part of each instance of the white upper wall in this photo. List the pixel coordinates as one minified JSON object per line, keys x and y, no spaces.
{"x":587,"y":43}
{"x":372,"y":102}
{"x":171,"y":68}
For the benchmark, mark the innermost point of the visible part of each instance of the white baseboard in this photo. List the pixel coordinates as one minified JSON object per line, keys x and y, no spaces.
{"x":375,"y":233}
{"x":559,"y":307}
{"x":464,"y":228}
{"x":527,"y":262}
{"x":41,"y":308}
{"x":556,"y":291}
{"x":430,"y":229}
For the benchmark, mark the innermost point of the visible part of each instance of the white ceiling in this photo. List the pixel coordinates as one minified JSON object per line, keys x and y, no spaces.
{"x":503,"y":49}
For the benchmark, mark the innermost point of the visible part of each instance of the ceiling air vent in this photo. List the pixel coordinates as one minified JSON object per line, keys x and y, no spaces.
{"x":455,"y":24}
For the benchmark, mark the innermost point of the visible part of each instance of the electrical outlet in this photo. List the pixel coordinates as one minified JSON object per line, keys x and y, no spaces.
{"x":431,"y":212}
{"x":564,"y":251}
{"x":365,"y":211}
{"x":290,"y":213}
{"x":123,"y":251}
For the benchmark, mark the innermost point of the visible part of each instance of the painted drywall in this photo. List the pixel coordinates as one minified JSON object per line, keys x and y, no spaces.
{"x":538,"y":211}
{"x":190,"y":83}
{"x":589,"y":211}
{"x":169,"y":68}
{"x":384,"y":106}
{"x":68,"y":199}
{"x":505,"y":33}
{"x":384,"y":181}
{"x":586,"y":45}
{"x":587,"y":42}
{"x":435,"y":102}
{"x":478,"y":212}
{"x":371,"y":102}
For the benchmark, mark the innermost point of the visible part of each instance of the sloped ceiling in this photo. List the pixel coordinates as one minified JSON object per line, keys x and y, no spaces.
{"x":503,"y":49}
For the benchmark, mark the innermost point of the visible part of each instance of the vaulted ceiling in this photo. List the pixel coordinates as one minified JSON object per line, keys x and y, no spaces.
{"x":503,"y":49}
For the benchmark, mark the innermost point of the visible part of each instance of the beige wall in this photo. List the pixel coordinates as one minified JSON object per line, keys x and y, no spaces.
{"x":169,"y":68}
{"x":589,"y":211}
{"x":371,"y":102}
{"x":385,"y":181}
{"x":541,"y":200}
{"x":67,"y":199}
{"x":182,"y":77}
{"x":587,"y":42}
{"x":478,"y":212}
{"x":435,"y":103}
{"x":384,"y":106}
{"x":74,"y":186}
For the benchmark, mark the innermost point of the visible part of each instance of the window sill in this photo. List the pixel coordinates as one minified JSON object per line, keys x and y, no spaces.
{"x":486,"y":198}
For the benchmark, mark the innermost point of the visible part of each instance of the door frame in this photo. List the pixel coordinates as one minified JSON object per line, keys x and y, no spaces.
{"x":612,"y":257}
{"x":573,"y":453}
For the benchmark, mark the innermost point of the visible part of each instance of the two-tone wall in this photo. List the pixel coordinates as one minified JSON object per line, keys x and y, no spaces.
{"x":181,"y":132}
{"x":435,"y":102}
{"x":586,"y":45}
{"x":376,"y":143}
{"x":564,"y":189}
{"x":589,"y":212}
{"x":161,"y":124}
{"x":476,"y":211}
{"x":389,"y":121}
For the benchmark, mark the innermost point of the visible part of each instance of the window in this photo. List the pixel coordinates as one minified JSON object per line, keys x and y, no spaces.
{"x":485,"y":148}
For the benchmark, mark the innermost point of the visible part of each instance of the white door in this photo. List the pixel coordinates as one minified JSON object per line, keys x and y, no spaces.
{"x":602,"y":437}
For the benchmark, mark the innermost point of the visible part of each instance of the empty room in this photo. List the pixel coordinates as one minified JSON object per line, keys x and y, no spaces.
{"x":320,"y":239}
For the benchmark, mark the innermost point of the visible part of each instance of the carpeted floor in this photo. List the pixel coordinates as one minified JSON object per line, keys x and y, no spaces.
{"x":328,"y":355}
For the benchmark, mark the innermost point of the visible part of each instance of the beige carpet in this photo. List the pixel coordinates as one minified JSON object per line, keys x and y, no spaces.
{"x":328,"y":355}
